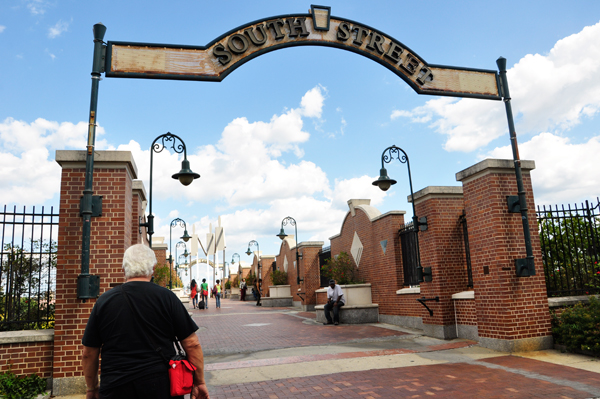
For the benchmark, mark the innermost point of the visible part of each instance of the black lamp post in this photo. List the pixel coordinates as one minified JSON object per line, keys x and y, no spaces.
{"x":384,"y":183}
{"x":239,"y":266}
{"x":185,"y":237}
{"x":282,"y":235}
{"x":248,"y":252}
{"x":185,"y":175}
{"x":180,"y":244}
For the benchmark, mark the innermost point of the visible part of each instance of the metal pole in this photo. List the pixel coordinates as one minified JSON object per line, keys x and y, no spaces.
{"x":86,"y":206}
{"x":529,"y":261}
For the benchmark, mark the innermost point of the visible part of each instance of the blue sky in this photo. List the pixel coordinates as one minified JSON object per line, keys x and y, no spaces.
{"x":300,"y":131}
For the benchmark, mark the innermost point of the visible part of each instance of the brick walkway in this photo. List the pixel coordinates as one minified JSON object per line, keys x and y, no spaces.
{"x":239,"y":327}
{"x":410,"y":366}
{"x":458,"y":380}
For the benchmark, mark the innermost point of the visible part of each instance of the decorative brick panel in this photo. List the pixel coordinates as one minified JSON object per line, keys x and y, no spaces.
{"x":27,"y":358}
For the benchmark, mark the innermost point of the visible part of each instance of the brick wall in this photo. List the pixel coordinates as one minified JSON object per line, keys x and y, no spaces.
{"x":111,"y":234}
{"x":309,"y":269}
{"x":26,"y":358}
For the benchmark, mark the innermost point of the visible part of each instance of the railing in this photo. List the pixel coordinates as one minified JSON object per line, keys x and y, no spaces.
{"x":27,"y":269}
{"x":463,"y":220}
{"x":324,"y":254}
{"x":570,"y":241}
{"x":410,"y":262}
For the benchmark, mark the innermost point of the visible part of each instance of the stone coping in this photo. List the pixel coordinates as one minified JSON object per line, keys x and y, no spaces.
{"x":464,"y":295}
{"x":139,"y":186}
{"x":437,"y":192}
{"x":12,"y":337}
{"x":569,"y":300}
{"x":102,"y":159}
{"x":493,"y":166}
{"x":275,"y":297}
{"x":283,"y":285}
{"x":411,"y":290}
{"x":366,"y":306}
{"x":345,"y":285}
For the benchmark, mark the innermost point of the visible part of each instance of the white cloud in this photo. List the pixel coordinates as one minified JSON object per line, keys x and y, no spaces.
{"x":28,"y":171}
{"x":312,"y":102}
{"x":565,"y":172}
{"x":552,"y":92}
{"x":2,"y":28}
{"x":37,"y":7}
{"x":58,"y":29}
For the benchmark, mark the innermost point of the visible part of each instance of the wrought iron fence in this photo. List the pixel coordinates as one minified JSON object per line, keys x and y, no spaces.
{"x":570,"y":239}
{"x":463,"y":220}
{"x":410,"y":260}
{"x":27,"y":269}
{"x":324,"y":254}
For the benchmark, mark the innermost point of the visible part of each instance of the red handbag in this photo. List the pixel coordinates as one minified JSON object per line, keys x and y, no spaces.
{"x":181,"y":374}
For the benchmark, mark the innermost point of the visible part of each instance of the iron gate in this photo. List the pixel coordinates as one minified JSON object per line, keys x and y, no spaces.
{"x":410,"y":259}
{"x":27,"y":269}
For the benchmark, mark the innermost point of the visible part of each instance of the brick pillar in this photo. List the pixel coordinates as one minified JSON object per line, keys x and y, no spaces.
{"x":442,"y":249}
{"x":310,"y":272}
{"x":139,"y":208}
{"x":111,"y":234}
{"x":512,"y":312}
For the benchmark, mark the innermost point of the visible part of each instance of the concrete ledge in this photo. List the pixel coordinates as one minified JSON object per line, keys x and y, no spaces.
{"x":277,"y":302}
{"x":412,"y":290}
{"x":68,"y":386}
{"x":13,"y":337}
{"x":352,"y":314}
{"x":517,"y":345}
{"x":569,"y":300}
{"x":468,"y":332}
{"x":464,"y":295}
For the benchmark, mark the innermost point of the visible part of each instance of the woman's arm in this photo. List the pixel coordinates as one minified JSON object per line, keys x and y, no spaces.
{"x":192,"y":347}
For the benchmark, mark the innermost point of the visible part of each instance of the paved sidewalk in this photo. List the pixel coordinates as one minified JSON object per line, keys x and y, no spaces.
{"x":258,"y":352}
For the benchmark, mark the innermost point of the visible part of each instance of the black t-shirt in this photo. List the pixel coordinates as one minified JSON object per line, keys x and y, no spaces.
{"x":126,"y":353}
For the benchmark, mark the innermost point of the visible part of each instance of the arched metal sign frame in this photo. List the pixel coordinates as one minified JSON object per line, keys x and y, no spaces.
{"x":215,"y":61}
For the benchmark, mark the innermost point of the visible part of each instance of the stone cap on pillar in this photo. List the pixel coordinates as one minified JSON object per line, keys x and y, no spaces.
{"x":493,"y":166}
{"x":437,"y":192}
{"x":69,"y":159}
{"x":308,"y":244}
{"x":159,"y":243}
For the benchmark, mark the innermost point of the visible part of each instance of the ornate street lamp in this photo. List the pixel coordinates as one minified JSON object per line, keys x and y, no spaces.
{"x":282,"y":235}
{"x":185,"y":175}
{"x":182,"y":245}
{"x":384,"y":182}
{"x":248,"y":252}
{"x":239,"y":265}
{"x":185,"y":237}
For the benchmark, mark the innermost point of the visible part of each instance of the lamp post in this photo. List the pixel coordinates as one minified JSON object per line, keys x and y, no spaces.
{"x":239,"y":266}
{"x":185,"y":175}
{"x":180,"y":244}
{"x":248,"y":252}
{"x":185,"y":237}
{"x":282,"y":235}
{"x":384,"y":183}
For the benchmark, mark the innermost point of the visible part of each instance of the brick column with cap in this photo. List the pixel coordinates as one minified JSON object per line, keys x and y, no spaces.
{"x":111,"y":234}
{"x":512,"y":312}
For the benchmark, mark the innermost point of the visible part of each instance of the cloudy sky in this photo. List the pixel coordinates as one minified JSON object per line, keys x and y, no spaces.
{"x":299,"y":132}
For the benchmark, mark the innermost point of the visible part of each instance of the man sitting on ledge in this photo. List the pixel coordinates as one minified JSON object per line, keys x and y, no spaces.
{"x":335,"y":300}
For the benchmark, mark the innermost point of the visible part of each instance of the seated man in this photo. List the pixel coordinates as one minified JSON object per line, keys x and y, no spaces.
{"x":335,"y":300}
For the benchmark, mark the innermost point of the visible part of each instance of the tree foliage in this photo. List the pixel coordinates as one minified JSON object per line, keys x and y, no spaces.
{"x":27,"y":286}
{"x":279,"y":277}
{"x":341,"y":269}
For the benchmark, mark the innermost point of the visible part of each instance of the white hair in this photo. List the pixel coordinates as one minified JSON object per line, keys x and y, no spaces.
{"x":138,"y":261}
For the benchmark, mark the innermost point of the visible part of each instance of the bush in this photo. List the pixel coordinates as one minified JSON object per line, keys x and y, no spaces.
{"x":236,"y":282}
{"x":228,"y":285}
{"x":279,"y":278}
{"x":578,"y":328}
{"x":13,"y":387}
{"x":250,"y":279}
{"x":342,"y":270}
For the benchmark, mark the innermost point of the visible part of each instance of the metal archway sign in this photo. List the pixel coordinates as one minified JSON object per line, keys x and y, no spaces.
{"x":215,"y":61}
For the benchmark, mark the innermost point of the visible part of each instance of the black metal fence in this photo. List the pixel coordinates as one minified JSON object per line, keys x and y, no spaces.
{"x":27,"y":269}
{"x":410,"y":260}
{"x":463,"y":220}
{"x":324,"y":254}
{"x":570,"y":239}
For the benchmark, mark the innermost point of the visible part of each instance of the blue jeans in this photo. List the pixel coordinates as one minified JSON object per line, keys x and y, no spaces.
{"x":218,"y":299}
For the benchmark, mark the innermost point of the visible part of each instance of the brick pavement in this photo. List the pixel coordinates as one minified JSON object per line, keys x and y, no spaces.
{"x":241,"y":327}
{"x":452,"y":380}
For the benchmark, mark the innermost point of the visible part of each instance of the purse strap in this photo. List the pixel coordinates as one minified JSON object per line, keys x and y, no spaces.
{"x":157,"y":348}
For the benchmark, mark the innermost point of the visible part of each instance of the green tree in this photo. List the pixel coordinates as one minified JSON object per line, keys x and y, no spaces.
{"x":341,"y":269}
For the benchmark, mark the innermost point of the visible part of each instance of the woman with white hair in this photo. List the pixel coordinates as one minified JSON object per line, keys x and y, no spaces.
{"x":131,"y":365}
